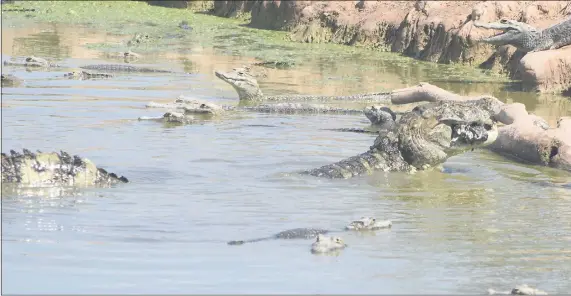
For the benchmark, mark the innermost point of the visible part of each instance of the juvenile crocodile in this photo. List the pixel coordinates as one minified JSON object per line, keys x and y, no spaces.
{"x":423,"y":137}
{"x":32,"y":61}
{"x":83,"y":75}
{"x":527,"y":38}
{"x":55,"y":169}
{"x":248,"y":90}
{"x":363,"y":224}
{"x":326,"y":244}
{"x":9,"y":80}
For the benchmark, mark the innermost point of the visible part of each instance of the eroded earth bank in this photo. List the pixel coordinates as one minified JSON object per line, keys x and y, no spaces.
{"x":437,"y":31}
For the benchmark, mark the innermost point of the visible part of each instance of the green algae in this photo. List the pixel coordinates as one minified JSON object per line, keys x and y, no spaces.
{"x":227,"y":36}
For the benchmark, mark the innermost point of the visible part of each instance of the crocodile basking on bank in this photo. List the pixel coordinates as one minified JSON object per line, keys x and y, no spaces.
{"x":363,"y":224}
{"x":527,"y":38}
{"x":248,"y":90}
{"x":83,"y":75}
{"x":54,"y":169}
{"x":422,"y":138}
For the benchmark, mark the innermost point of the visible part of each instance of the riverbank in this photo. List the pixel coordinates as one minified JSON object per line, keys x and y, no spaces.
{"x":441,"y":32}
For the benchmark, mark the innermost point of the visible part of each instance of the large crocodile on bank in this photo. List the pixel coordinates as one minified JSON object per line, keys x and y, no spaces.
{"x":363,"y":224}
{"x":422,"y":138}
{"x":54,"y":169}
{"x":248,"y":90}
{"x":527,"y":38}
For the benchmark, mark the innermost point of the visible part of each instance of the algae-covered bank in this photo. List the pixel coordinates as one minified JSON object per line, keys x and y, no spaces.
{"x":81,"y":73}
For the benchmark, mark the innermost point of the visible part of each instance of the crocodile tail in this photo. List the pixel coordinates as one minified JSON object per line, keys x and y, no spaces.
{"x":241,"y":242}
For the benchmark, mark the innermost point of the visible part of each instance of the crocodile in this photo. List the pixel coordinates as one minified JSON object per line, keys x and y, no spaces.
{"x":33,"y":62}
{"x":527,"y":38}
{"x":363,"y":224}
{"x":422,"y":138}
{"x":54,"y":169}
{"x":326,"y":244}
{"x":123,"y":68}
{"x":83,"y":75}
{"x":43,"y":63}
{"x":519,"y":290}
{"x":9,"y":80}
{"x":248,"y":90}
{"x":182,"y":109}
{"x":382,"y":119}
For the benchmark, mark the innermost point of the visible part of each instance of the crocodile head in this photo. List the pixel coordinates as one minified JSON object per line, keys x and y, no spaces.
{"x":243,"y":82}
{"x":368,"y":223}
{"x":37,"y":62}
{"x":433,"y":132}
{"x":326,"y":244}
{"x":518,"y":34}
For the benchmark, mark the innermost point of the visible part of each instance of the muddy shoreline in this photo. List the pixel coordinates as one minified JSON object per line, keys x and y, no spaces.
{"x":440,"y":32}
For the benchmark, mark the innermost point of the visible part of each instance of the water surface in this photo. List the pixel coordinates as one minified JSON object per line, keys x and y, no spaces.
{"x":483,"y":222}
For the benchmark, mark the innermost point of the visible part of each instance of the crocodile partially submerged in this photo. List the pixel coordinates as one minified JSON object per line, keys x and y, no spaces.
{"x":518,"y":290}
{"x":84,"y":75}
{"x":9,"y":80}
{"x":422,"y":138}
{"x":32,"y":62}
{"x":327,"y":244}
{"x":36,"y":62}
{"x":528,"y":38}
{"x":123,"y":68}
{"x":53,"y":169}
{"x":363,"y":224}
{"x":248,"y":90}
{"x":182,"y":110}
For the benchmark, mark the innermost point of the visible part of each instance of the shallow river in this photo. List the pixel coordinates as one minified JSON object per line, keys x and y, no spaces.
{"x":483,"y":222}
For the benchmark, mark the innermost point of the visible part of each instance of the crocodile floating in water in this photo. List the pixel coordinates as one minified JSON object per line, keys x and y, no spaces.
{"x":43,"y":63}
{"x":32,"y":61}
{"x":183,"y":109}
{"x":123,"y":68}
{"x":422,"y":138}
{"x":248,"y":90}
{"x":326,"y":244}
{"x":9,"y":80}
{"x":54,"y":169}
{"x":83,"y":75}
{"x":363,"y":224}
{"x":519,"y":290}
{"x":527,"y":38}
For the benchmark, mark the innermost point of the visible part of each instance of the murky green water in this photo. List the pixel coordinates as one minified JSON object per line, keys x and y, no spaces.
{"x":484,"y":222}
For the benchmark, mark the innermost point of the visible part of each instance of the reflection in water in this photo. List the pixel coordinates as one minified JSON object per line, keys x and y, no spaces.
{"x":480,"y":222}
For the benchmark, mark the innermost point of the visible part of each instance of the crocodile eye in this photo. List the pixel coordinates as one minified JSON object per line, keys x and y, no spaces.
{"x":240,"y":73}
{"x":503,"y":21}
{"x":488,"y":127}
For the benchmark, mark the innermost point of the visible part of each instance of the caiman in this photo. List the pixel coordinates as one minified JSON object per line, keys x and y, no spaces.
{"x":422,"y":138}
{"x":54,"y":169}
{"x":248,"y":90}
{"x":33,"y":62}
{"x":363,"y":224}
{"x":527,"y":38}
